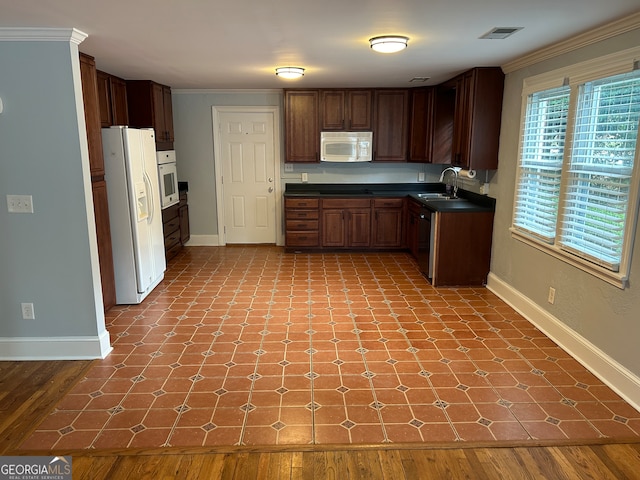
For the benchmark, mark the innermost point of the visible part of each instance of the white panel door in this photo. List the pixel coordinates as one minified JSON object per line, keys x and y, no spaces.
{"x":248,"y":175}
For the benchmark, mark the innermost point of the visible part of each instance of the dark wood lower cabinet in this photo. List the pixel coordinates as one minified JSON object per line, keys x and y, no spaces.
{"x":346,"y":228}
{"x":103,"y":233}
{"x":343,"y":223}
{"x":175,"y":225}
{"x":302,"y":217}
{"x":462,"y":248}
{"x":388,"y":215}
{"x":346,"y":223}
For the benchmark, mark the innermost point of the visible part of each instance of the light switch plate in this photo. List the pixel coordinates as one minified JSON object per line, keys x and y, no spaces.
{"x":20,"y":203}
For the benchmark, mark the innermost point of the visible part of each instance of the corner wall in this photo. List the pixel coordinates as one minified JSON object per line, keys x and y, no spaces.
{"x":48,"y":258}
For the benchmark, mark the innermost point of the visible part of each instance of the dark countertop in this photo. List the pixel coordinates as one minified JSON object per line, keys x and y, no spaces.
{"x":472,"y":202}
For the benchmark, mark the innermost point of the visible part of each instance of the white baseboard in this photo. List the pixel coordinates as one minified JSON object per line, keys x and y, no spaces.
{"x":55,"y":348}
{"x":624,"y":382}
{"x":203,"y":241}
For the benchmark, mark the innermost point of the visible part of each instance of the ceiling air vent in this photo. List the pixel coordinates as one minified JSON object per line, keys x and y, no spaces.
{"x":499,"y":33}
{"x":419,"y":79}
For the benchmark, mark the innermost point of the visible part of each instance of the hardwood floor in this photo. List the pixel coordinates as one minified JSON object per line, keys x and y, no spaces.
{"x":28,"y":391}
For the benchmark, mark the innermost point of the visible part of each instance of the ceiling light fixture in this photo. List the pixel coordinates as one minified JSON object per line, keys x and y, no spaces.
{"x":290,"y":72}
{"x":388,"y":43}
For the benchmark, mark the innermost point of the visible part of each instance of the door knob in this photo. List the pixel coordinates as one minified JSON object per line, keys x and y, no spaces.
{"x":270,"y":180}
{"x":270,"y":189}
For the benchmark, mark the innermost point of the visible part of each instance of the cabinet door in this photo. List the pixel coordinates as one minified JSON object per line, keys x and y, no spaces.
{"x":390,"y":125}
{"x":119,"y":101}
{"x":183,"y":213}
{"x":333,"y":228}
{"x":421,"y":125}
{"x":302,"y":135}
{"x":461,"y":119}
{"x":89,"y":81}
{"x":444,"y":108}
{"x":359,"y":227}
{"x":103,"y":234}
{"x":358,"y":106}
{"x":332,"y":110}
{"x":387,"y":227}
{"x":157,"y":94}
{"x":167,"y":110}
{"x":104,"y":99}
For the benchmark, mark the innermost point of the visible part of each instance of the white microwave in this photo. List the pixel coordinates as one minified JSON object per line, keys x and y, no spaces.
{"x":168,"y":177}
{"x":346,"y":146}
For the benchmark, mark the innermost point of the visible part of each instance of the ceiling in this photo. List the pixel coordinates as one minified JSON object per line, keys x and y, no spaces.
{"x":236,"y":44}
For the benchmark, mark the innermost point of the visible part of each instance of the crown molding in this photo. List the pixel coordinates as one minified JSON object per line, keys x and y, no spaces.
{"x":184,"y":91}
{"x":28,"y":34}
{"x":618,"y":27}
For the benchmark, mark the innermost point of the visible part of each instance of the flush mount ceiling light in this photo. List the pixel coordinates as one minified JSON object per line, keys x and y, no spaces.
{"x":388,"y":43}
{"x":290,"y":72}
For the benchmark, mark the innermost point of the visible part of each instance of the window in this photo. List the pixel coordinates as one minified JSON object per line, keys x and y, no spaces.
{"x":577,"y":188}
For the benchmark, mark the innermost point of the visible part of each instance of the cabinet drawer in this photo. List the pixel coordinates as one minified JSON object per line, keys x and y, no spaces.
{"x":171,"y":239}
{"x":171,"y":225}
{"x":302,"y":225}
{"x":387,"y":202}
{"x":302,"y":214}
{"x":342,"y":203}
{"x":301,"y":203}
{"x":302,"y":239}
{"x":170,"y":213}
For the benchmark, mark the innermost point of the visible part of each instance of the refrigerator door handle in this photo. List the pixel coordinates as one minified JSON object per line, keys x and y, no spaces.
{"x":150,"y":196}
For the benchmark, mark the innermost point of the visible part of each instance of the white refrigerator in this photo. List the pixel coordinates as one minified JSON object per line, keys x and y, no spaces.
{"x":135,"y":215}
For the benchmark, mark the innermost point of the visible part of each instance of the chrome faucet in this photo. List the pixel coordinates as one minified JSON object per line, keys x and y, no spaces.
{"x":455,"y":171}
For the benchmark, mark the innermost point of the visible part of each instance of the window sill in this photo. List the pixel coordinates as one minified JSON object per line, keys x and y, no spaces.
{"x":616,"y":279}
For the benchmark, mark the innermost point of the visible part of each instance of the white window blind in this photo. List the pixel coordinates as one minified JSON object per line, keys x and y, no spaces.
{"x":541,"y":157}
{"x":599,"y":174}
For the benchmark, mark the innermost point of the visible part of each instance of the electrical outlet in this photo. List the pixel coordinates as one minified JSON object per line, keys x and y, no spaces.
{"x":552,"y":295}
{"x":28,"y":313}
{"x":421,"y":176}
{"x":484,"y":189}
{"x":288,"y":167}
{"x":304,"y":177}
{"x":20,"y":203}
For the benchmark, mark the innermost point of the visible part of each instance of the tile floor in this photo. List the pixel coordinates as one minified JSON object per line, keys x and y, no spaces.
{"x":252,"y":346}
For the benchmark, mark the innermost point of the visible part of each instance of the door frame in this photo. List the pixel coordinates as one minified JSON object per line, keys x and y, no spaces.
{"x":216,"y":111}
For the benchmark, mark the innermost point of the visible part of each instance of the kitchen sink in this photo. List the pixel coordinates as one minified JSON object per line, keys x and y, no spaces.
{"x":438,"y":197}
{"x":431,"y":195}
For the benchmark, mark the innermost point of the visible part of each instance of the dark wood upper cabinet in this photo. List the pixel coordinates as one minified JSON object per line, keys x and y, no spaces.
{"x":112,"y":96}
{"x":149,"y":105}
{"x":92,"y":114}
{"x":421,"y":124}
{"x":346,"y":110}
{"x":390,"y":126}
{"x":302,"y":135}
{"x":476,"y":119}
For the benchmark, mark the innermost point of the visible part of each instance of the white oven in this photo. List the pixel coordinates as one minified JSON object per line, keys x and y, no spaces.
{"x":168,"y":176}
